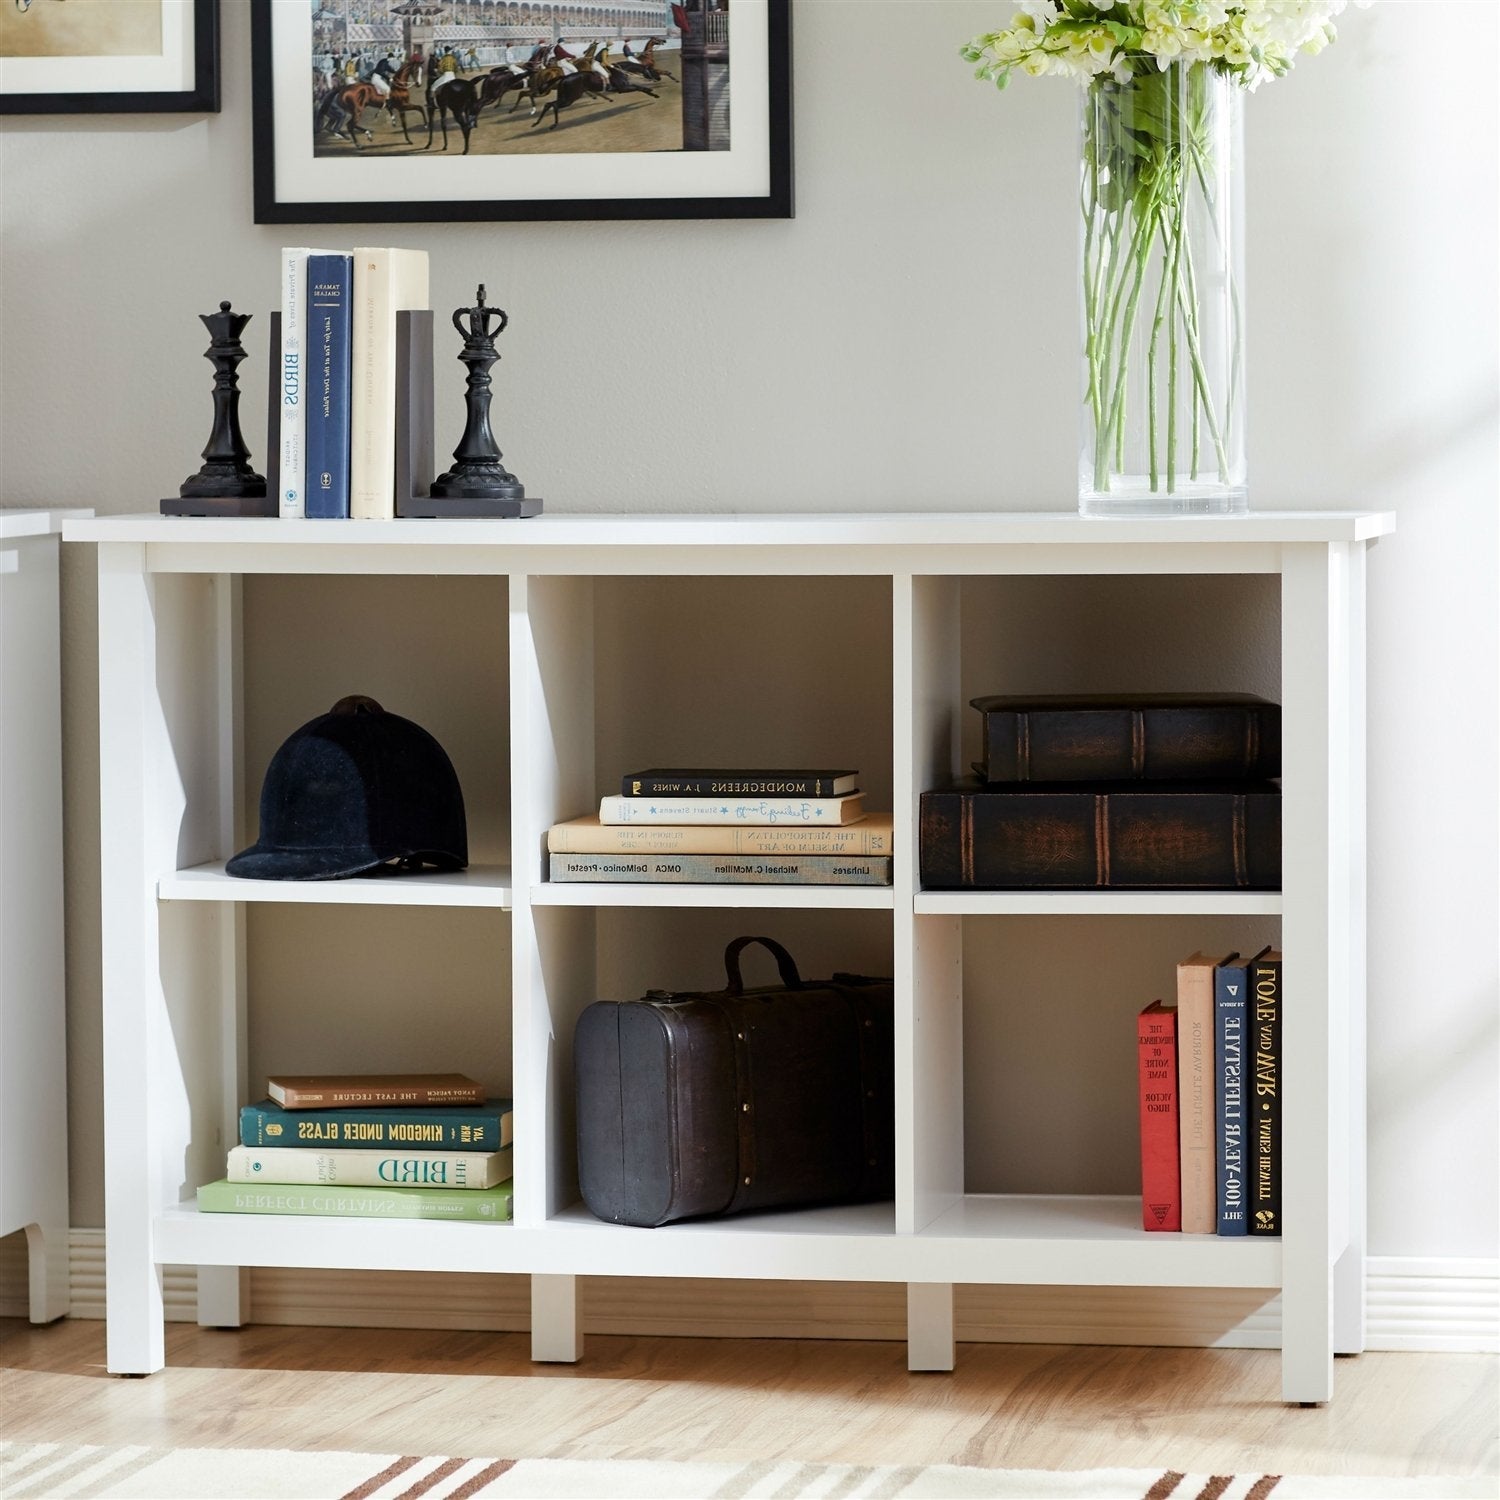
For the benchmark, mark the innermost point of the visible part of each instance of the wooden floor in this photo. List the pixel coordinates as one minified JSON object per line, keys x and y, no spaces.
{"x":1006,"y":1406}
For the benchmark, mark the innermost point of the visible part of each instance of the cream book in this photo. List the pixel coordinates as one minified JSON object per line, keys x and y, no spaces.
{"x":1196,"y":1108}
{"x":354,"y":1168}
{"x":386,"y":281}
{"x":872,"y":835}
{"x":763,"y":812}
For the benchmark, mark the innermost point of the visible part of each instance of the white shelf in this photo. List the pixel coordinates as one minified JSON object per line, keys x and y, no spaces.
{"x":1089,"y":1241}
{"x":1036,"y":1240}
{"x":1097,"y":903}
{"x":479,"y":885}
{"x":183,"y":1236}
{"x":779,"y":897}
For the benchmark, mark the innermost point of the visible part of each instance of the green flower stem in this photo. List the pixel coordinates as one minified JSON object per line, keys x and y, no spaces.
{"x":1115,"y":411}
{"x":1187,"y":294}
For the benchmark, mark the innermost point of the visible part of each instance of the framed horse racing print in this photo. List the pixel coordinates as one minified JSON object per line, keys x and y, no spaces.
{"x":108,"y":56}
{"x":447,"y":110}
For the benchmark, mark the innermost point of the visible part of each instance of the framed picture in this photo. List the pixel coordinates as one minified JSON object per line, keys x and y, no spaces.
{"x":447,"y":110}
{"x":65,"y":57}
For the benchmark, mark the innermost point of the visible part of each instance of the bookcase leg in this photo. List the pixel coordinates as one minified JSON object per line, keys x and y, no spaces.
{"x":556,"y":1331}
{"x":47,"y":1271}
{"x":1349,"y":1269}
{"x":929,"y":1325}
{"x":223,"y":1296}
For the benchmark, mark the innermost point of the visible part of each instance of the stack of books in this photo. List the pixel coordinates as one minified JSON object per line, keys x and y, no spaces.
{"x":337,"y":382}
{"x":707,"y":826}
{"x":1210,"y":1096}
{"x":1126,"y":792}
{"x":384,"y":1146}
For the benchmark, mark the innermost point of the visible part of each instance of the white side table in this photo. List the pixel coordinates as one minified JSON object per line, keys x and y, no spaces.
{"x":33,"y":1057}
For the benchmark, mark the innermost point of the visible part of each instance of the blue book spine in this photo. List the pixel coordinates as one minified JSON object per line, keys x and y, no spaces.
{"x":327,"y":355}
{"x":479,"y":1127}
{"x":1229,"y":1078}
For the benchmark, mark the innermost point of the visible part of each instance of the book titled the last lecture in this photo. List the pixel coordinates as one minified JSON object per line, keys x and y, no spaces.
{"x":722,"y":869}
{"x":765,"y":811}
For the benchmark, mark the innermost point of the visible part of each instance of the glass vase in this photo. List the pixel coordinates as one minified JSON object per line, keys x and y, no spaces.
{"x":1162,"y":254}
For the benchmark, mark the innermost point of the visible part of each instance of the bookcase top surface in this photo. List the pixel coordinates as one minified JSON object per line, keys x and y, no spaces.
{"x":15,"y":524}
{"x":862,"y":529}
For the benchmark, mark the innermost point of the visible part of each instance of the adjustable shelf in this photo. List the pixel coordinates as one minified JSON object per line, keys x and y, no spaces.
{"x":479,"y":885}
{"x":740,"y":599}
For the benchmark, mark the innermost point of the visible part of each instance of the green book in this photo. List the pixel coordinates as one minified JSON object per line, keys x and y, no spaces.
{"x":487,"y":1205}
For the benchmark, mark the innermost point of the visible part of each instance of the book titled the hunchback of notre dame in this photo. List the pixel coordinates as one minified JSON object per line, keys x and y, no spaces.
{"x":1192,"y":835}
{"x":1129,"y":737}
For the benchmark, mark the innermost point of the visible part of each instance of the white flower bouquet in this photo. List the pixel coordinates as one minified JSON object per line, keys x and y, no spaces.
{"x":1161,"y":247}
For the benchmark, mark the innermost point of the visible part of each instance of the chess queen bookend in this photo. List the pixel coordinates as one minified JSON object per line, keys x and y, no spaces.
{"x":226,"y":485}
{"x":478,"y":484}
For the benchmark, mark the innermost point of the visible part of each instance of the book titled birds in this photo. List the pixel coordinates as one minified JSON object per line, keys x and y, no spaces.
{"x":389,"y":1145}
{"x":1211,"y":1098}
{"x":337,"y":449}
{"x":730,"y":826}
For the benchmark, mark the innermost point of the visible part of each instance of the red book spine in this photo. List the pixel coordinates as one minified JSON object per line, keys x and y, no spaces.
{"x":1161,"y":1181}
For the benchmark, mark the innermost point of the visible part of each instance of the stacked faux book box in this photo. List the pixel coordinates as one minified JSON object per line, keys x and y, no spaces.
{"x":386,"y":1146}
{"x":763,"y":827}
{"x":1164,"y":792}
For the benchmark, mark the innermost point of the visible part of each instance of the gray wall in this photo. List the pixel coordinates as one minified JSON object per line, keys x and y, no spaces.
{"x":906,"y":343}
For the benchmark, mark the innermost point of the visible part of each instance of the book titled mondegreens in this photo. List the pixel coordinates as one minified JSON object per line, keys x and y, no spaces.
{"x":482,"y":1205}
{"x":481,"y":1127}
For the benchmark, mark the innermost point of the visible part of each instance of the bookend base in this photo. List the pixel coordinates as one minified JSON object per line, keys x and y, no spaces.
{"x":219,"y":505}
{"x":463,"y":507}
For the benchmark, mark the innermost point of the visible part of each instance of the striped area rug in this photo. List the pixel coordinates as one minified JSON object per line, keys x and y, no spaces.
{"x":59,"y":1471}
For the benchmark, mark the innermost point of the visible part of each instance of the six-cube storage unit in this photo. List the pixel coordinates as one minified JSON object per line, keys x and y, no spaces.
{"x":174,"y":925}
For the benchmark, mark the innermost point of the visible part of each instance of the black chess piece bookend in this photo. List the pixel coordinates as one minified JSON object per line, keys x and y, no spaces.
{"x":478,"y":484}
{"x":226,"y":485}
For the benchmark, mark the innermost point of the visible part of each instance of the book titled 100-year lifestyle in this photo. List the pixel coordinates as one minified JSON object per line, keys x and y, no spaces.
{"x":492,"y":1205}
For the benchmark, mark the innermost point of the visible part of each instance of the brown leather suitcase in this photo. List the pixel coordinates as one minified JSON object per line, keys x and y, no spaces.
{"x":736,"y":1099}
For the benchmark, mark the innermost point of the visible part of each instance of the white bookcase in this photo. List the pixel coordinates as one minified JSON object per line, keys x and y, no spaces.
{"x":170,"y":617}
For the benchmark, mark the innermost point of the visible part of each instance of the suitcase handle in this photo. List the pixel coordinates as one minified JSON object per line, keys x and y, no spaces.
{"x":784,"y":963}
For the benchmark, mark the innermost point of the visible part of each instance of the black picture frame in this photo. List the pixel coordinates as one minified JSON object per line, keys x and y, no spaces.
{"x":775,"y":203}
{"x":201,"y":98}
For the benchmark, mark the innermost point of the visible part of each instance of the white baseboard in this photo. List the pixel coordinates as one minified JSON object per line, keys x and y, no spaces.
{"x":1412,"y":1303}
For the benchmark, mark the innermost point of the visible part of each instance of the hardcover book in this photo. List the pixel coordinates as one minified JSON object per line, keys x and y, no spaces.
{"x":1264,"y":1150}
{"x":872,"y":835}
{"x":445,"y":1169}
{"x":723,"y":869}
{"x":1132,"y":737}
{"x":1156,"y":1051}
{"x":1109,"y":835}
{"x":385,"y":282}
{"x":482,"y":1127}
{"x":326,"y":386}
{"x":767,"y":812}
{"x":1196,"y":1092}
{"x":483,"y":1205}
{"x":342,"y":1091}
{"x":700,"y":783}
{"x":1230,"y":983}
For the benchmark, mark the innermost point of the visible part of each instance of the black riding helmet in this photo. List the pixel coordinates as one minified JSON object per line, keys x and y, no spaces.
{"x":354,"y":789}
